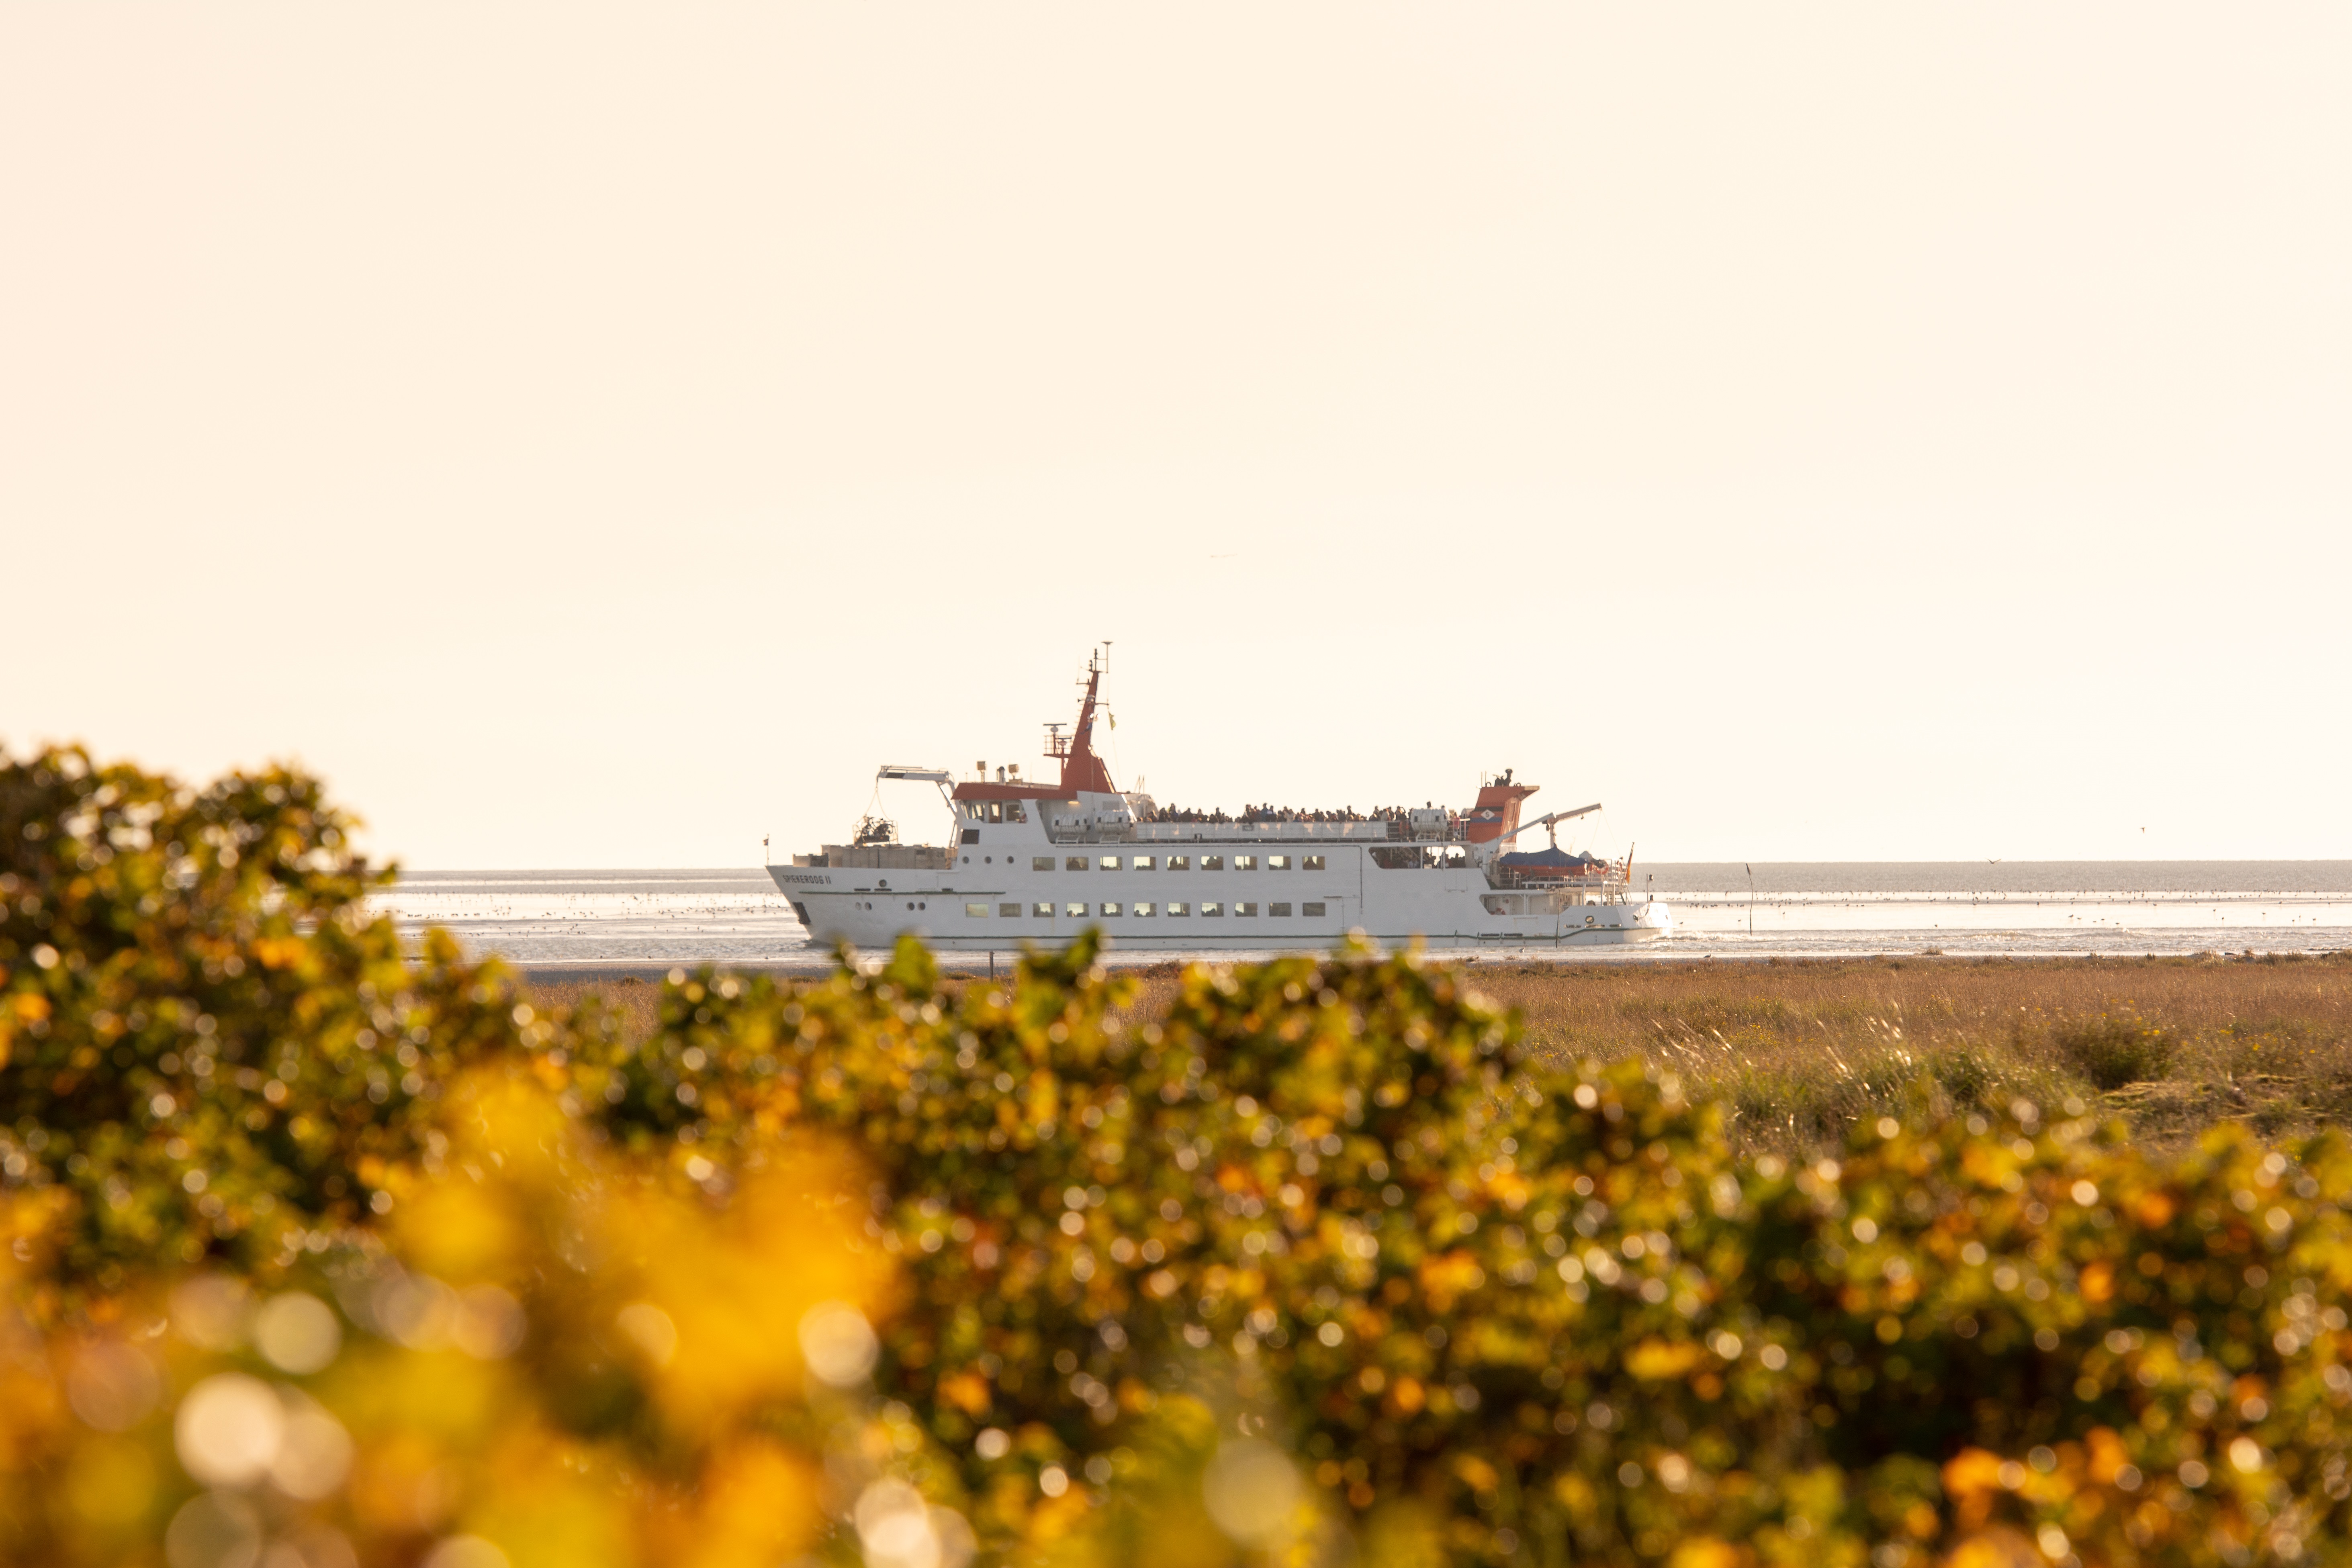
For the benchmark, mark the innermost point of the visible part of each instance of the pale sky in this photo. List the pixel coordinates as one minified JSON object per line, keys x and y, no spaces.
{"x":598,"y":436}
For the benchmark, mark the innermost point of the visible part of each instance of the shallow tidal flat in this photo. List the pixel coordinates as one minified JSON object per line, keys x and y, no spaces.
{"x":1797,"y":1051}
{"x":648,"y":921}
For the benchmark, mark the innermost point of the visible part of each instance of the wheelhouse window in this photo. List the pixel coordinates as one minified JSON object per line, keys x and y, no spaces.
{"x":1245,"y":862}
{"x":975,"y":912}
{"x":1213,"y":862}
{"x":1177,"y":910}
{"x":1041,"y":862}
{"x":1310,"y":862}
{"x":1074,"y":863}
{"x":1312,"y":910}
{"x":1008,"y":911}
{"x":1180,"y":862}
{"x":995,"y":811}
{"x":1277,"y":908}
{"x":1211,"y":909}
{"x":1016,"y":811}
{"x":1278,"y":862}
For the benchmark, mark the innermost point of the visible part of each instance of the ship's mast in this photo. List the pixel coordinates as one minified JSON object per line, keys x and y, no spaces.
{"x":1081,"y":768}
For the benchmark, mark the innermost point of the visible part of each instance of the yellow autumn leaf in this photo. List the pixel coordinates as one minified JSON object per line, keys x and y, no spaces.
{"x":967,"y":1391}
{"x":1996,"y":1547}
{"x":1706,"y":1551}
{"x":1445,"y":1277}
{"x":1655,"y":1359}
{"x":1971,"y":1471}
{"x":279,"y":951}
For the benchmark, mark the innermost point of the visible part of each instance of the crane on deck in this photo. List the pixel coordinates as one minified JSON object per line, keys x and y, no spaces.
{"x":1547,"y":822}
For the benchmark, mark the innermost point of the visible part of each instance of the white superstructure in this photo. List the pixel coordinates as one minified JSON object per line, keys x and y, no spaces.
{"x":1041,"y":862}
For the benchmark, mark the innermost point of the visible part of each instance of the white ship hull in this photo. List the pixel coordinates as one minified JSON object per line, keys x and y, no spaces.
{"x":997,"y":897}
{"x":1032,"y":862}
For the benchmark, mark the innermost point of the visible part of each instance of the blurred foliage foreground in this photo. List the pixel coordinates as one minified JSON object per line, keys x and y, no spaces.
{"x":321,"y":1253}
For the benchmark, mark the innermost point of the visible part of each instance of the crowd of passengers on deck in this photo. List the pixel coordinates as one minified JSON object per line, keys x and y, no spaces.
{"x":1251,"y":813}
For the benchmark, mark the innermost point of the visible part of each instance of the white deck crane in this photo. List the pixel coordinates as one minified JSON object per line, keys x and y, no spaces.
{"x":1547,"y":822}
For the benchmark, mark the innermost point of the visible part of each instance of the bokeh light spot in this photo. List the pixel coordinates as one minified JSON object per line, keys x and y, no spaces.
{"x":466,"y":1551}
{"x":296,"y":1332}
{"x":651,"y":1330}
{"x":210,"y":1311}
{"x":228,"y":1430}
{"x":894,"y":1526}
{"x":489,"y":1323}
{"x":839,"y":1343}
{"x":314,"y":1454}
{"x":111,"y":1386}
{"x":1252,"y":1491}
{"x":214,"y":1531}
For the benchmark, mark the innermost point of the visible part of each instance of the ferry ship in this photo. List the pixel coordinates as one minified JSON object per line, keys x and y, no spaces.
{"x":1038,"y":861}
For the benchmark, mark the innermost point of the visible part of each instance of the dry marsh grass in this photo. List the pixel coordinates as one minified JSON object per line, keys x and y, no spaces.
{"x":1798,"y":1051}
{"x":635,"y":1005}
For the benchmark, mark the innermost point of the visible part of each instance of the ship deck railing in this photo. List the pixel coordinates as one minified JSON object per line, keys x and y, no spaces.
{"x":1365,"y":832}
{"x":1371,"y":832}
{"x":1610,"y":879}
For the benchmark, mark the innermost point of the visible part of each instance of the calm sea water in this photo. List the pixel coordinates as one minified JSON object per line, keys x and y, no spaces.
{"x":656,"y":919}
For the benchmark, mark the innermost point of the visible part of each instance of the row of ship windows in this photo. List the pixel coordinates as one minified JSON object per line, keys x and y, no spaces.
{"x":1173,"y":862}
{"x":1210,"y":909}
